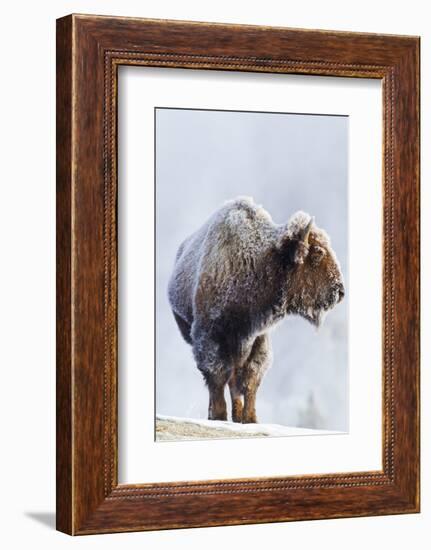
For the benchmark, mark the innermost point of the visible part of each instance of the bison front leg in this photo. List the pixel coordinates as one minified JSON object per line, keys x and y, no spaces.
{"x":236,"y":398}
{"x":215,"y":372}
{"x":216,"y":382}
{"x":249,"y":412}
{"x":253,"y":371}
{"x":217,"y":409}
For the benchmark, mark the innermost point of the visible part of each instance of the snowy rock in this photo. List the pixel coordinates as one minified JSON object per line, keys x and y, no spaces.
{"x":173,"y":428}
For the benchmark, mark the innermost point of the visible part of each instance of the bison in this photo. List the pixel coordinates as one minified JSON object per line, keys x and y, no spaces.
{"x":234,"y":279}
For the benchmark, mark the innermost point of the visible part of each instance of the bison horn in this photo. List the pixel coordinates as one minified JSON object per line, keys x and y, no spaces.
{"x":306,"y":232}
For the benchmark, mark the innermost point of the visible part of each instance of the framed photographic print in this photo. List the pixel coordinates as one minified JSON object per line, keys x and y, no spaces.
{"x":237,"y":274}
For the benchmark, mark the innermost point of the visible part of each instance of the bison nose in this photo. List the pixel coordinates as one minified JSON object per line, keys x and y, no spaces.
{"x":341,"y":291}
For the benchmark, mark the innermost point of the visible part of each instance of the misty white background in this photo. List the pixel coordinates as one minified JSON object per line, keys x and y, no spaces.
{"x":27,"y":277}
{"x":286,"y":162}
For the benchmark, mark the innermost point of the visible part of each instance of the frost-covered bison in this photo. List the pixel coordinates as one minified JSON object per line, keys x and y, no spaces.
{"x":233,"y":279}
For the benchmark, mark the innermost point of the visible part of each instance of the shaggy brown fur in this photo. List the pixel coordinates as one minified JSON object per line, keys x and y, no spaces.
{"x":236,"y":277}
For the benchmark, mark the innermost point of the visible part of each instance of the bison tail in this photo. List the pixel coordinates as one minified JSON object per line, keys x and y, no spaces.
{"x":184,"y":327}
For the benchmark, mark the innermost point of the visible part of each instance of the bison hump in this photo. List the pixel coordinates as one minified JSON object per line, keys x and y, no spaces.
{"x":236,"y":240}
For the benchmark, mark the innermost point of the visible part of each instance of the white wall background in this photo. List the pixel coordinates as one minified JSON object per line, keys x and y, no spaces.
{"x":27,"y":218}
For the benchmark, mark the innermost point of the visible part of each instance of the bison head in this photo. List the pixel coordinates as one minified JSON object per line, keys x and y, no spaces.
{"x":314,"y":279}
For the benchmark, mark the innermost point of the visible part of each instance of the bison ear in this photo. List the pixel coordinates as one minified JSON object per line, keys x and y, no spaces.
{"x":294,"y":244}
{"x":293,"y":251}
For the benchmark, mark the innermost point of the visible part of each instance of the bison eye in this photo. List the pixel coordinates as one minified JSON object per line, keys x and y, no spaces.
{"x":316,"y":254}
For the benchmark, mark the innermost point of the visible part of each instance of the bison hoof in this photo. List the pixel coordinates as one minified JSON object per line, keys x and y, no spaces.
{"x":217,"y":416}
{"x":249,"y":419}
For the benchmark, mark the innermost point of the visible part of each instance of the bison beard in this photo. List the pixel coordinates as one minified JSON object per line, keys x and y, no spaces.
{"x":235,"y":278}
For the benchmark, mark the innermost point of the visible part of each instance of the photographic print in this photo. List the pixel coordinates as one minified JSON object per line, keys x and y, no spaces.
{"x":251,"y":274}
{"x":236,"y":208}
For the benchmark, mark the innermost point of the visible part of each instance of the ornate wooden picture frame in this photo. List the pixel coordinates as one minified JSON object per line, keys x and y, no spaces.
{"x":89,"y":51}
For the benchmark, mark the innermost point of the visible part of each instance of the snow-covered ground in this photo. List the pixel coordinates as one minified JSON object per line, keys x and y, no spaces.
{"x":173,"y":428}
